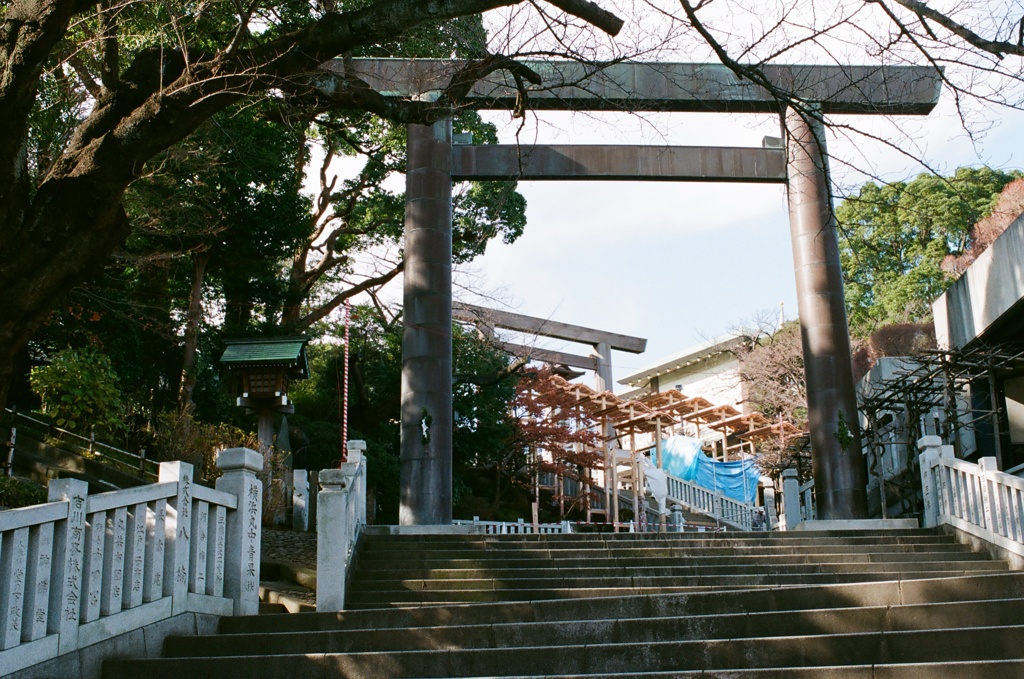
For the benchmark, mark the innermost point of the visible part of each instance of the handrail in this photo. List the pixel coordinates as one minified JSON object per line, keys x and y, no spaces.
{"x":713,"y":503}
{"x":138,"y":463}
{"x":975,"y":498}
{"x":82,"y":568}
{"x":520,"y":527}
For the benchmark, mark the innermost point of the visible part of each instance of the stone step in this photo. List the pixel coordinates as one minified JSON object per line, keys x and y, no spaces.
{"x":960,"y":554}
{"x":984,"y":613}
{"x":943,"y":670}
{"x":729,"y":540}
{"x":400,"y":538}
{"x":443,"y":597}
{"x":688,"y":577}
{"x":821,"y":650}
{"x":636,"y":552}
{"x":382,"y":576}
{"x":886,"y":593}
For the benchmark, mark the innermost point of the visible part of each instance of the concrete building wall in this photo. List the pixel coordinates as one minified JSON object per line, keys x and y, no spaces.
{"x":716,"y":379}
{"x":991,"y":287}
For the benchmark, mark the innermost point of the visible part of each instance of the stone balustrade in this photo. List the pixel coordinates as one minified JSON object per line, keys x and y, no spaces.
{"x":715,"y":504}
{"x":976,"y":499}
{"x":341,"y":514}
{"x":83,"y":568}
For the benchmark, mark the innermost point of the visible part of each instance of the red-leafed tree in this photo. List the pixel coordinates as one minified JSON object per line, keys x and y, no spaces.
{"x":554,"y":433}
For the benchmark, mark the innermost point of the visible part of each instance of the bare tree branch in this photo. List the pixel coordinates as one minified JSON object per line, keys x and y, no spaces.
{"x":997,"y":47}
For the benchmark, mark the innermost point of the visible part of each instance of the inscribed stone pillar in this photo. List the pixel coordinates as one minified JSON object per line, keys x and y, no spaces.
{"x":840,"y":473}
{"x":239,"y":469}
{"x":426,"y":455}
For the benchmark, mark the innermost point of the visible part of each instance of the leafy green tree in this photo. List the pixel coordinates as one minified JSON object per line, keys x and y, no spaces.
{"x":136,"y":78}
{"x":79,"y":389}
{"x":485,"y":385}
{"x":896,"y":236}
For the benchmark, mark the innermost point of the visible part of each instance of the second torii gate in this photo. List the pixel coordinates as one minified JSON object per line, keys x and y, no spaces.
{"x":839,"y":469}
{"x":602,"y":341}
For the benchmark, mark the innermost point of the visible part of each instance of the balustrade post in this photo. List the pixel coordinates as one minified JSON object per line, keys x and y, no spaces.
{"x":314,"y":488}
{"x":677,"y":517}
{"x":177,"y":529}
{"x":69,"y":557}
{"x":791,"y":498}
{"x":332,"y":533}
{"x":769,"y":506}
{"x":929,"y":462}
{"x":357,"y":453}
{"x":239,"y":467}
{"x":989,"y":502}
{"x":300,"y":500}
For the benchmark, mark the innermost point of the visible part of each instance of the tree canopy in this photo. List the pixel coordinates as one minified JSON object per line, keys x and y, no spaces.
{"x":895,"y":238}
{"x":91,"y":93}
{"x":95,"y":96}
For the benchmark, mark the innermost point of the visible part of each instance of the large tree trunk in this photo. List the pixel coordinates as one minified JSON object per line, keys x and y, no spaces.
{"x":193,"y":319}
{"x":73,"y":226}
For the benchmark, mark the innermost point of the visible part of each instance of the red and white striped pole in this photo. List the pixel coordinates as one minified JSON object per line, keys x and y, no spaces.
{"x":344,"y":400}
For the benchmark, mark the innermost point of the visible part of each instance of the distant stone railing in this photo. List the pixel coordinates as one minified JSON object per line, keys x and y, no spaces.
{"x":520,"y":527}
{"x":714,"y":504}
{"x":83,"y":568}
{"x":977,"y":499}
{"x":340,"y":517}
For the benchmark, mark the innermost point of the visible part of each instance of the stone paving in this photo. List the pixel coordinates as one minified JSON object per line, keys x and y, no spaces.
{"x":290,"y":547}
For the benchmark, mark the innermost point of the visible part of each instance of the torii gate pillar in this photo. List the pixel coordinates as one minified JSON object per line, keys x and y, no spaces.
{"x":426,"y":448}
{"x":603,"y":377}
{"x":840,"y":472}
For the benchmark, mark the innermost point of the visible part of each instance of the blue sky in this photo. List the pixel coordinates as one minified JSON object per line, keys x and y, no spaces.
{"x":681,"y":263}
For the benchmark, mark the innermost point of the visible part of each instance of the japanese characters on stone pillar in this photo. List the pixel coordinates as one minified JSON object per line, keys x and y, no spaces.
{"x":37,"y":582}
{"x":69,"y":548}
{"x":177,"y":533}
{"x":135,"y":557}
{"x":12,"y":588}
{"x":200,"y":539}
{"x":156,"y":540}
{"x":113,"y":562}
{"x":239,"y":467}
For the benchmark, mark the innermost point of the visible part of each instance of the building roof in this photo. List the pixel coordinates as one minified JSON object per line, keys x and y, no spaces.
{"x":691,"y":356}
{"x":289,"y":352}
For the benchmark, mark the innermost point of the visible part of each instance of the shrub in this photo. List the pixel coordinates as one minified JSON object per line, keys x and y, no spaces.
{"x":16,"y":492}
{"x":79,"y":389}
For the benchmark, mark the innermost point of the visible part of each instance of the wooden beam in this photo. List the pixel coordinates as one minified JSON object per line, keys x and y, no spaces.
{"x":619,"y":163}
{"x":470,"y":313}
{"x":632,"y":86}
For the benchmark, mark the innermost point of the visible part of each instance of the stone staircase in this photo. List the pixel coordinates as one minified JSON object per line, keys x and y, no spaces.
{"x":908,"y":604}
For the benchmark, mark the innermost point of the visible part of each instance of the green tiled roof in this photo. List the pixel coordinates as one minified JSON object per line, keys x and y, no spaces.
{"x":287,"y":351}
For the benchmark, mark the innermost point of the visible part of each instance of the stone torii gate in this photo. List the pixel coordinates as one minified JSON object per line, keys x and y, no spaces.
{"x":602,"y":341}
{"x":839,"y":469}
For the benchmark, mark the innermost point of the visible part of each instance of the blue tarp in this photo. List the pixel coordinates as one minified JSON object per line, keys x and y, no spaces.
{"x":685,"y":460}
